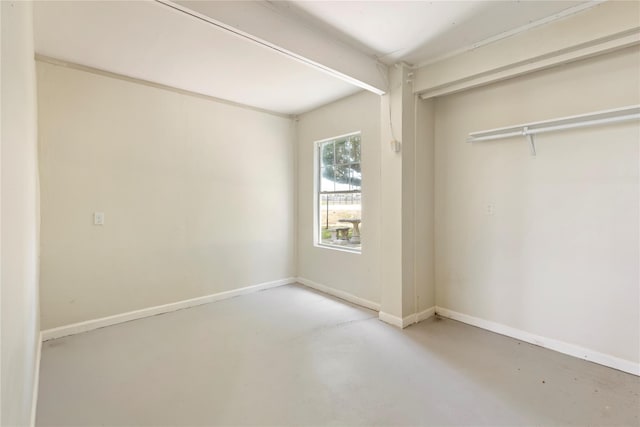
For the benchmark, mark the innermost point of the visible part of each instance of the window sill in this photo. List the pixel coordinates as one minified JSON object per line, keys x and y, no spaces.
{"x":339,"y":248}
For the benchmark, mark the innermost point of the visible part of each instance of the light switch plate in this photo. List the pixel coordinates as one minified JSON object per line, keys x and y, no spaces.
{"x":98,"y":218}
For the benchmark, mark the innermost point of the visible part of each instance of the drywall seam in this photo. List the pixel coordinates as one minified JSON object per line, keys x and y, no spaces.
{"x":104,"y":73}
{"x":407,"y":320}
{"x":549,"y":343}
{"x":36,"y":382}
{"x":339,"y":294}
{"x":89,"y":325}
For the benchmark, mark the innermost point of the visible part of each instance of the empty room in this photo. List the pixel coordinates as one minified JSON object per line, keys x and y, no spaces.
{"x":310,"y":213}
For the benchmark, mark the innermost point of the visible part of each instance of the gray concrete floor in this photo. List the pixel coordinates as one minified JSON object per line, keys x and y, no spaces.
{"x":292,"y":356}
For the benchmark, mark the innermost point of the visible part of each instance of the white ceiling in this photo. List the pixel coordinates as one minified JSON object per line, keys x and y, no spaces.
{"x":419,"y":31}
{"x":150,"y":41}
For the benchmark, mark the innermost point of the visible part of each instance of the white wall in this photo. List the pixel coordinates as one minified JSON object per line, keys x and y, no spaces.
{"x":19,"y":285}
{"x":356,"y":274}
{"x":424,"y":244}
{"x":198,"y":195}
{"x":559,"y":257}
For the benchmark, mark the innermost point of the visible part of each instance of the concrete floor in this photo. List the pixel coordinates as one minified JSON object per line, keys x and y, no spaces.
{"x":292,"y":356}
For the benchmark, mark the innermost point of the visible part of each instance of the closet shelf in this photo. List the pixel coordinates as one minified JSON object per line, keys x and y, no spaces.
{"x":528,"y":130}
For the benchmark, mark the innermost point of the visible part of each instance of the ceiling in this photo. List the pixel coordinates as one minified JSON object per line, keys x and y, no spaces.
{"x":150,"y":41}
{"x":416,"y":32}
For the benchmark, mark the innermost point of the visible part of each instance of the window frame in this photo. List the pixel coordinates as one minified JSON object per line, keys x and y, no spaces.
{"x":317,"y":193}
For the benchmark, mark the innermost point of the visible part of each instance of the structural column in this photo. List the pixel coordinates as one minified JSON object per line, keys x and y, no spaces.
{"x":406,"y":202}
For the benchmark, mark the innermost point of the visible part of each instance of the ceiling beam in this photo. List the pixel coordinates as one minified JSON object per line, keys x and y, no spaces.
{"x":270,"y":26}
{"x":604,"y":28}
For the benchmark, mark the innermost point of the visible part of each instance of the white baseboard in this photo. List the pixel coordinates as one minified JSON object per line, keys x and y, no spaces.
{"x":36,"y":381}
{"x":391,"y":319}
{"x":408,"y":320}
{"x":425,"y":314}
{"x":89,"y":325}
{"x":550,"y":343}
{"x":339,"y":294}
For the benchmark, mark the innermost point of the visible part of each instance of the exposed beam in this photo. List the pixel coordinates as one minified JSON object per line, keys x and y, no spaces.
{"x":607,"y":27}
{"x":267,"y":25}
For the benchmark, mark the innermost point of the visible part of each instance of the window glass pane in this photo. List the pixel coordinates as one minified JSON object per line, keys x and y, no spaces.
{"x":348,"y":148}
{"x":342,"y":178}
{"x":339,"y":205}
{"x":333,"y":209}
{"x":324,"y":215}
{"x":356,"y":177}
{"x":355,"y":144}
{"x":327,"y":155}
{"x":343,"y":155}
{"x":327,"y":179}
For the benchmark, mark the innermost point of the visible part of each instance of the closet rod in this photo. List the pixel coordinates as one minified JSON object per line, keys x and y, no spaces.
{"x":616,"y":115}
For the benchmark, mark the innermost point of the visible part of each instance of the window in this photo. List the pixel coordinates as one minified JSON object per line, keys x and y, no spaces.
{"x":338,"y":192}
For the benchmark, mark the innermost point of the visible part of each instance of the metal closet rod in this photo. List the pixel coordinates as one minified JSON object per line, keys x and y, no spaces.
{"x":615,"y":115}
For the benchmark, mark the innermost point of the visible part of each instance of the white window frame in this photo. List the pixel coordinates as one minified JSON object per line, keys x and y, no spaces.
{"x":317,"y":242}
